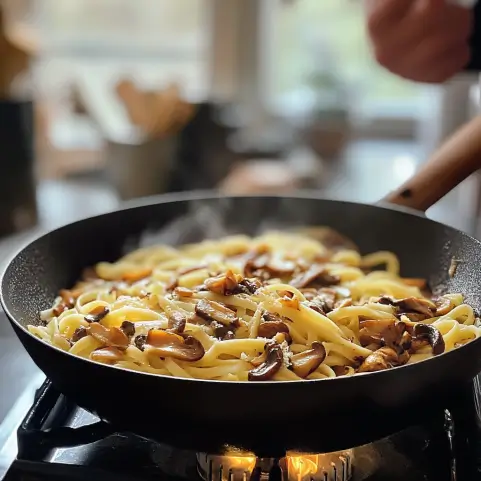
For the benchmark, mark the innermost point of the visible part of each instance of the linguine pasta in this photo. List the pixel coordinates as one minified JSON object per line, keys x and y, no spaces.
{"x":279,"y":307}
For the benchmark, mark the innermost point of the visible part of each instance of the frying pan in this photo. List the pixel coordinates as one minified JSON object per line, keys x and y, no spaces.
{"x":267,"y":417}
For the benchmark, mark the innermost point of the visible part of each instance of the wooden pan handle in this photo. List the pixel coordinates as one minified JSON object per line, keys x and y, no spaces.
{"x":453,"y":162}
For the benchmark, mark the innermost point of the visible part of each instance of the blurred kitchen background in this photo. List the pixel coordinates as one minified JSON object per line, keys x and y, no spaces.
{"x":111,"y":100}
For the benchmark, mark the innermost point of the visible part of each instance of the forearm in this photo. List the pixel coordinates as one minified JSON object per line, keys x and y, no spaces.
{"x":475,"y":62}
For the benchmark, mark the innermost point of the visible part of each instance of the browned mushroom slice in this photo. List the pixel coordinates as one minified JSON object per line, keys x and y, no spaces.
{"x":269,"y":329}
{"x":97,"y":314}
{"x":324,"y":301}
{"x":443,"y":305}
{"x":432,"y":335}
{"x":274,"y":359}
{"x":107,"y":355}
{"x":167,"y":344}
{"x":271,"y":317}
{"x":251,"y":285}
{"x":316,"y":274}
{"x":308,"y":361}
{"x":383,"y":358}
{"x":59,"y":308}
{"x":392,"y":336}
{"x":177,"y":322}
{"x":128,"y":328}
{"x":140,"y":341}
{"x":367,"y":338}
{"x":260,"y":264}
{"x":79,"y":333}
{"x":69,"y":297}
{"x":225,"y":284}
{"x":222,"y":332}
{"x":255,"y":260}
{"x":411,"y":305}
{"x":280,"y":267}
{"x":213,"y":311}
{"x":375,"y":326}
{"x":108,"y":336}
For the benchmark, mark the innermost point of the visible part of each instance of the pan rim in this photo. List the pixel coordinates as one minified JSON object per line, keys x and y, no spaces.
{"x":200,"y":195}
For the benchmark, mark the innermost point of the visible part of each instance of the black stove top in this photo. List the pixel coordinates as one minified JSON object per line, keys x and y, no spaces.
{"x":57,"y":440}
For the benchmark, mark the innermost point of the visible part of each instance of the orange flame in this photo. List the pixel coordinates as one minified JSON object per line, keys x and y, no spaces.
{"x":300,"y":466}
{"x":242,"y":463}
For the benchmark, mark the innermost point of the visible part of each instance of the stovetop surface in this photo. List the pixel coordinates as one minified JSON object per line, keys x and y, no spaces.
{"x":60,"y":441}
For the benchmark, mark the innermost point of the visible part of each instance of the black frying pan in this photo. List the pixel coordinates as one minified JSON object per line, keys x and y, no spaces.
{"x":320,"y":415}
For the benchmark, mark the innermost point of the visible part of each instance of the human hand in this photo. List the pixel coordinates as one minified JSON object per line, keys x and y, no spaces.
{"x":420,"y":40}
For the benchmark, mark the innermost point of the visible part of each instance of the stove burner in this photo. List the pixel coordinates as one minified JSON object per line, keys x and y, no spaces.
{"x":236,"y":465}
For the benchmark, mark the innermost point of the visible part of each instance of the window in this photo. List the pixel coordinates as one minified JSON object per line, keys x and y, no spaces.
{"x":123,"y":26}
{"x":328,"y":35}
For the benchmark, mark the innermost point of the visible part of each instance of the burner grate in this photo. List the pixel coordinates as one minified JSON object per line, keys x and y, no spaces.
{"x":293,"y":467}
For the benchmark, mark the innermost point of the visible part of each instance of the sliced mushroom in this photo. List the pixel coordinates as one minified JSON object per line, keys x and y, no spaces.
{"x":383,"y":358}
{"x":79,"y":333}
{"x":167,"y":344}
{"x":308,"y":361}
{"x":251,"y":285}
{"x":213,"y":311}
{"x":430,"y":334}
{"x":140,"y":341}
{"x":59,"y":308}
{"x":443,"y":305}
{"x":324,"y":301}
{"x":274,"y":359}
{"x":317,"y":275}
{"x":177,"y":322}
{"x":260,"y":264}
{"x":222,"y":332}
{"x":409,"y":305}
{"x":255,"y":260}
{"x":271,"y":317}
{"x":392,"y":336}
{"x":97,"y":314}
{"x":69,"y":297}
{"x":375,"y":326}
{"x":107,"y":355}
{"x":108,"y":336}
{"x":370,"y":340}
{"x":225,"y":284}
{"x":269,"y":329}
{"x":128,"y":328}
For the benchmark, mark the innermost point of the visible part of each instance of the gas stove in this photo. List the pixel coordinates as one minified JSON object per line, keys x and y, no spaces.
{"x":57,"y":440}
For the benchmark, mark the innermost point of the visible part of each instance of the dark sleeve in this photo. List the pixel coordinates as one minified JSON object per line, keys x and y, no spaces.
{"x":475,"y":62}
